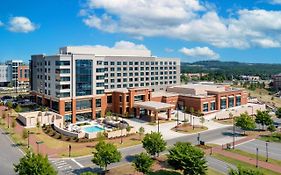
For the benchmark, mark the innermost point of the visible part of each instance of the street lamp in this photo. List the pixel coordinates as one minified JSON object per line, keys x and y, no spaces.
{"x":198,"y":138}
{"x":178,"y":116}
{"x":257,"y":157}
{"x":158,"y":127}
{"x":192,"y":122}
{"x":28,"y":133}
{"x":38,"y":143}
{"x":69,"y":150}
{"x":233,"y":132}
{"x":121,"y":127}
{"x":8,"y":120}
{"x":266,"y":147}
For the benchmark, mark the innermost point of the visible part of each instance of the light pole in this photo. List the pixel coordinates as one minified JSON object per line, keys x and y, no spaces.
{"x":233,"y":132}
{"x":266,"y":147}
{"x":38,"y":143}
{"x":178,"y":116}
{"x":158,"y":127}
{"x":257,"y":157}
{"x":121,"y":126}
{"x":192,"y":122}
{"x":28,"y":132}
{"x":198,"y":138}
{"x":8,"y":120}
{"x":69,"y":150}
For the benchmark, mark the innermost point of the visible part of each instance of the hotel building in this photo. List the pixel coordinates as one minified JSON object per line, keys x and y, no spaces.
{"x":84,"y":82}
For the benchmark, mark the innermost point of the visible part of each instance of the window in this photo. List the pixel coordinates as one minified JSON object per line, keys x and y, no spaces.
{"x":231,"y":102}
{"x":205,"y":107}
{"x":100,"y":70}
{"x":98,"y":103}
{"x":83,"y":77}
{"x":100,"y":84}
{"x":109,"y":99}
{"x":139,"y":98}
{"x":100,"y":91}
{"x":100,"y":77}
{"x":83,"y":104}
{"x":238,"y":100}
{"x":68,"y":106}
{"x":213,"y":106}
{"x":223,"y":103}
{"x":62,"y":63}
{"x":99,"y":62}
{"x":62,"y":94}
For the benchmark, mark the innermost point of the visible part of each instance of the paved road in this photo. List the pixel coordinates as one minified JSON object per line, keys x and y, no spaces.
{"x":127,"y":153}
{"x":274,"y":149}
{"x":9,"y":154}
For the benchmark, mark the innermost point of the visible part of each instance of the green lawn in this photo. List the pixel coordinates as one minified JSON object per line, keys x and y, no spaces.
{"x":261,"y":158}
{"x":246,"y":165}
{"x":275,"y":137}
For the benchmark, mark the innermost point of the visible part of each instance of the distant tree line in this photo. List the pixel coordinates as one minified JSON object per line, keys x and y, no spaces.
{"x":221,"y":71}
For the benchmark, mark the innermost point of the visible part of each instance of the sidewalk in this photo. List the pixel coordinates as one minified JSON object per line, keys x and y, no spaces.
{"x":245,"y":159}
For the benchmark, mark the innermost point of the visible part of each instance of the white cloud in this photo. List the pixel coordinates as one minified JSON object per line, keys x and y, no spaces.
{"x":200,"y":53}
{"x":21,"y":24}
{"x":1,"y":23}
{"x":275,"y":2}
{"x":188,"y":20}
{"x":169,"y":50}
{"x":123,"y":45}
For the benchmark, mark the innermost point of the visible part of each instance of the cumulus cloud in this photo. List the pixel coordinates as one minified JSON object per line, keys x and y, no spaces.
{"x":21,"y":24}
{"x":200,"y":53}
{"x":275,"y":2}
{"x":123,"y":45}
{"x":190,"y":20}
{"x":1,"y":23}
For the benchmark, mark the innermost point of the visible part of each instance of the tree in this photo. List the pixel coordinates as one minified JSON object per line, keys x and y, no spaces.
{"x":9,"y":105}
{"x":244,"y":171}
{"x":18,"y":108}
{"x":143,"y":163}
{"x":38,"y":125}
{"x":245,"y":122}
{"x":278,"y":113}
{"x":141,"y":132}
{"x":128,"y":129}
{"x":24,"y":133}
{"x":271,"y":128}
{"x":263,"y":118}
{"x":153,"y":143}
{"x":13,"y":123}
{"x":190,"y":159}
{"x":34,"y":164}
{"x":202,"y":121}
{"x":105,"y":154}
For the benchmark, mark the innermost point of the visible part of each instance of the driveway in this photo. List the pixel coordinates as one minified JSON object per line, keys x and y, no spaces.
{"x":9,"y":154}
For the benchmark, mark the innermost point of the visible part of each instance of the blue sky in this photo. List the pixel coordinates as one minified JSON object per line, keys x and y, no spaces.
{"x":236,"y":30}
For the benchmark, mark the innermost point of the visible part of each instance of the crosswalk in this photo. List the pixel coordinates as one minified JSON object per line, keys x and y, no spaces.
{"x":63,"y":167}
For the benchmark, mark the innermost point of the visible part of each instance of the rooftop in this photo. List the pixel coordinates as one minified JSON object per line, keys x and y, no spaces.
{"x":152,"y":105}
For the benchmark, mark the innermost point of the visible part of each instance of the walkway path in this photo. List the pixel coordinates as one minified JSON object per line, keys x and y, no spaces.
{"x":245,"y":159}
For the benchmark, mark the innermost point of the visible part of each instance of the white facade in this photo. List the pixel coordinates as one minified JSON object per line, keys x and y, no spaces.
{"x":14,"y":66}
{"x":56,"y":76}
{"x":5,"y":74}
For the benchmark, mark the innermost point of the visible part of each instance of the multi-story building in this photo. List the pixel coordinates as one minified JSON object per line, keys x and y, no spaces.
{"x":81,"y":82}
{"x":5,"y":75}
{"x":23,"y":77}
{"x":277,"y":81}
{"x":14,"y":64}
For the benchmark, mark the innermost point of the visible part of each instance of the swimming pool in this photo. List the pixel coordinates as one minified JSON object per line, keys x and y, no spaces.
{"x":93,"y":128}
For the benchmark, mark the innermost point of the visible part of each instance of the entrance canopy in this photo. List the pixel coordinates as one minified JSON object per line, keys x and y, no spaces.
{"x":153,"y":105}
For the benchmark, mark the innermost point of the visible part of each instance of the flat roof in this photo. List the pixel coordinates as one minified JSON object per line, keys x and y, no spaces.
{"x":153,"y":105}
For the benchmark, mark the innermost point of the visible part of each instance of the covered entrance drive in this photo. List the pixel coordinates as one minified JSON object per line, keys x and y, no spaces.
{"x":152,"y":108}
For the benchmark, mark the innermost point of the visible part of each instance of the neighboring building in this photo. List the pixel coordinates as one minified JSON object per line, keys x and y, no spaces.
{"x":23,"y":77}
{"x":14,"y":64}
{"x":83,"y":82}
{"x":206,"y":98}
{"x":250,"y":78}
{"x":195,"y":76}
{"x":5,"y":75}
{"x":277,"y":81}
